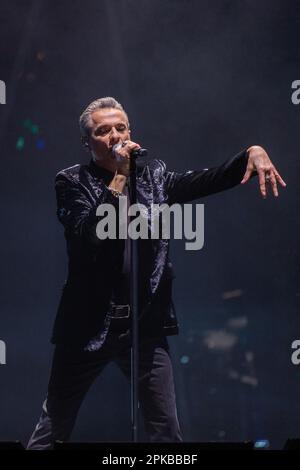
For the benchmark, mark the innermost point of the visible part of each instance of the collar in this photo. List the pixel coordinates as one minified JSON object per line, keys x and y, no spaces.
{"x":108,"y":175}
{"x":100,"y":172}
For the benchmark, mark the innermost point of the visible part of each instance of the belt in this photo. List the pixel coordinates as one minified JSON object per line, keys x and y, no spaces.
{"x":119,"y":311}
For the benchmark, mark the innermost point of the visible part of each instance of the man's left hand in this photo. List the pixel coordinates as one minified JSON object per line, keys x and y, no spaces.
{"x":260,"y":162}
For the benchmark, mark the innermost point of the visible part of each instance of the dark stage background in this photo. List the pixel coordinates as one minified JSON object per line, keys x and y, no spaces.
{"x":201,"y":80}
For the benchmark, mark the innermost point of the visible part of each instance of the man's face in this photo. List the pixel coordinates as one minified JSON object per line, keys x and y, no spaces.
{"x":109,"y":127}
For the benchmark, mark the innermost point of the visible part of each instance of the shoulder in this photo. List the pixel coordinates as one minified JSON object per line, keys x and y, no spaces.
{"x":71,"y":173}
{"x":157,"y":168}
{"x":157,"y":165}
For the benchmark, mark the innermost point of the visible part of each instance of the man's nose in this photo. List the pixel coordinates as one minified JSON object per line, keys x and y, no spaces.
{"x":114,"y":135}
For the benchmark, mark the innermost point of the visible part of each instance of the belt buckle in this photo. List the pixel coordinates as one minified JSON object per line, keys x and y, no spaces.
{"x":120,"y":311}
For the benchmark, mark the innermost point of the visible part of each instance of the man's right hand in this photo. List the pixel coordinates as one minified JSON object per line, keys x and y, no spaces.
{"x":122,"y":154}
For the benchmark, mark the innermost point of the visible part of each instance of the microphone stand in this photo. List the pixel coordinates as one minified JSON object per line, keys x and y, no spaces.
{"x":134,"y":307}
{"x":134,"y":297}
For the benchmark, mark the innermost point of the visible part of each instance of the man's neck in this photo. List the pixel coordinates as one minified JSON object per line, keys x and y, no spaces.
{"x":106,"y":165}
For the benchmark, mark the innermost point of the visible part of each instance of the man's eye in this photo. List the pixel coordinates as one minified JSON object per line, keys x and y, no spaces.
{"x":102,"y":131}
{"x":106,"y":130}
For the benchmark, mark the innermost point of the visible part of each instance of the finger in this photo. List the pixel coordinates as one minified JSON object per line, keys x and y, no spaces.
{"x":122,"y":155}
{"x":278,"y":178}
{"x":274,"y":184}
{"x":133,"y":146}
{"x":262,"y":183}
{"x":246,"y":176}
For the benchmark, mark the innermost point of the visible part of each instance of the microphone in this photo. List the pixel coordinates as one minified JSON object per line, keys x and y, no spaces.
{"x":134,"y":154}
{"x":139,"y":153}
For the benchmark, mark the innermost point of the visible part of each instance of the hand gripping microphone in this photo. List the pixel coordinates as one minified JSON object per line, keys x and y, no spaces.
{"x":134,"y":153}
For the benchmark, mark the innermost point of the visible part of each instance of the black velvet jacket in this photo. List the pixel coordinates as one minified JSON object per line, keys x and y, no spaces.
{"x":94,"y":264}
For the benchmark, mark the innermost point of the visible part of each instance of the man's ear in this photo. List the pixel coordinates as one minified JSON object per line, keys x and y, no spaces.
{"x":85,"y":143}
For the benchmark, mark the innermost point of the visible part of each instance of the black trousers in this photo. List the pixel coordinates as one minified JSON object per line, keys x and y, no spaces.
{"x":74,"y":370}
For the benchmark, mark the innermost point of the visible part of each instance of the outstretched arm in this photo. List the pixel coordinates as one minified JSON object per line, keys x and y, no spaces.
{"x":190,"y":185}
{"x":194,"y":184}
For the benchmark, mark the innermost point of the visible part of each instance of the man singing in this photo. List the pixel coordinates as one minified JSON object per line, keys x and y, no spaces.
{"x":93,"y":323}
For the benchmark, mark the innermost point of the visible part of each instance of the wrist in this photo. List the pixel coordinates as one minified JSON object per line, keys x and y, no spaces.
{"x":118,"y":183}
{"x":115,"y":192}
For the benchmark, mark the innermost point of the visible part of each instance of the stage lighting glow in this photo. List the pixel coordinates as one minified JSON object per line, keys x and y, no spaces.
{"x":33,"y":128}
{"x":40,"y":55}
{"x":20,"y":143}
{"x":262,"y":444}
{"x":40,"y":144}
{"x":184,"y":359}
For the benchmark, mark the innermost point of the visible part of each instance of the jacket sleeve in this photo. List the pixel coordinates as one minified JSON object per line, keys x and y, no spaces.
{"x":190,"y":185}
{"x":77,"y":211}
